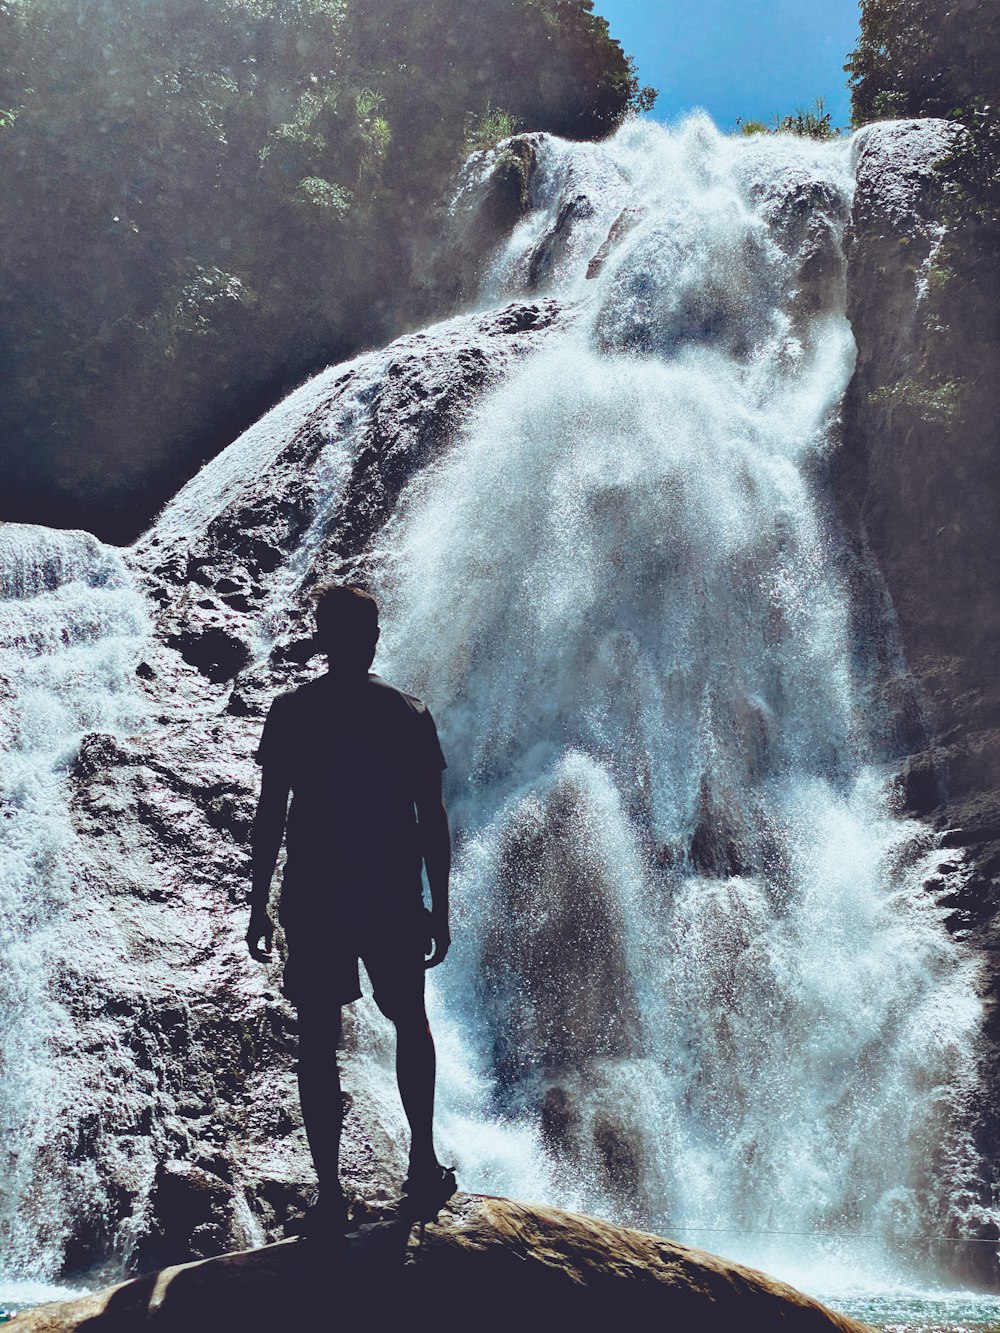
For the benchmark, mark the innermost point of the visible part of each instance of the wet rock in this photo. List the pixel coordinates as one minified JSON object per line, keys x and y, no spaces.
{"x":622,"y":225}
{"x":218,"y":655}
{"x":194,"y":1216}
{"x":178,"y":1046}
{"x":924,"y":498}
{"x":495,"y":193}
{"x":512,"y":1264}
{"x":553,"y":245}
{"x":508,"y":191}
{"x":919,"y":487}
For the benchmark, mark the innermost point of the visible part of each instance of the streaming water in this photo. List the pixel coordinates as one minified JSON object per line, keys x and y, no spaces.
{"x":696,"y":985}
{"x":70,"y":627}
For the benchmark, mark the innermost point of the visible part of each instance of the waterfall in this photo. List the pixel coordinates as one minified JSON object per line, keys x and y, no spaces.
{"x":696,"y":985}
{"x":70,"y":629}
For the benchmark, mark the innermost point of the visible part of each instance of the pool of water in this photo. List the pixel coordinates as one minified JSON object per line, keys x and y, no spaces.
{"x":16,"y":1296}
{"x":951,"y":1312}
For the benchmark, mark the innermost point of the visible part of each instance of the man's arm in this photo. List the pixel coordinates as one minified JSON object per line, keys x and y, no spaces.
{"x":268,"y":831}
{"x":435,"y":844}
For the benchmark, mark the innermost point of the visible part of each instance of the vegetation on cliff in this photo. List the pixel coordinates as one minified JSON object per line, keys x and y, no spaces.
{"x":204,"y":202}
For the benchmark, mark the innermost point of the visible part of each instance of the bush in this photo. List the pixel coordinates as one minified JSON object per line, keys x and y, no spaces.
{"x":811,"y":124}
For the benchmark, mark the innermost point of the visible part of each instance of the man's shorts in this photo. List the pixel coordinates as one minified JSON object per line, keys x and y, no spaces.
{"x":321,"y":971}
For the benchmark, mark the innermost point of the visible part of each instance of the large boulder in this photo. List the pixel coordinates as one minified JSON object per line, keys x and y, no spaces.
{"x":483,"y":1263}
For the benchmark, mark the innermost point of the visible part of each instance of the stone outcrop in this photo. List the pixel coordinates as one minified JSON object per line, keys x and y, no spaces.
{"x":921,"y":478}
{"x":483,"y":1263}
{"x":917,"y":477}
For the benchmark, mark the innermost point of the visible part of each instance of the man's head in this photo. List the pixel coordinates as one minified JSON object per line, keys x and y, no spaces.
{"x":347,"y":626}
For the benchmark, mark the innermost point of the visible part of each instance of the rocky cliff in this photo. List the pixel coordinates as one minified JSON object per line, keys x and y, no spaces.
{"x":177,"y":1044}
{"x":918,"y":476}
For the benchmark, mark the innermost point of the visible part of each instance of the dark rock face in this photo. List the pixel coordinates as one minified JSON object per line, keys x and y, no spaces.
{"x":923,"y":489}
{"x":491,"y":1262}
{"x":495,"y":193}
{"x":920,"y":486}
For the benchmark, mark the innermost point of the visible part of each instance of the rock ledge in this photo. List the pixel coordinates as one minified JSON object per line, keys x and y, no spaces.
{"x":484,"y":1263}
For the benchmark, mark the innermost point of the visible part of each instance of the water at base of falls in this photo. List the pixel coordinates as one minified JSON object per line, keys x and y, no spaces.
{"x":947,"y":1312}
{"x":696,"y":985}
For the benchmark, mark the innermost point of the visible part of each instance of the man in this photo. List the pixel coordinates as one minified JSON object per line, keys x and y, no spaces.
{"x":363,"y":764}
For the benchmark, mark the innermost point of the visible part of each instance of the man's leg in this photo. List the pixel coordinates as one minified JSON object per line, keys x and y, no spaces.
{"x":319,"y":1093}
{"x":415,"y":1072}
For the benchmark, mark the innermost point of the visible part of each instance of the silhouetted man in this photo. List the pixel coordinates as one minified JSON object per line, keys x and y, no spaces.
{"x":363,"y":764}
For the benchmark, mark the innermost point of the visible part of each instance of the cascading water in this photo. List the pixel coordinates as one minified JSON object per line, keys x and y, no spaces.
{"x":70,"y":628}
{"x":696,"y":985}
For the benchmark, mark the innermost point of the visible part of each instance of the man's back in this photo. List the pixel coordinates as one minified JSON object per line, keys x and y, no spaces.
{"x":351,"y":749}
{"x":363,"y":765}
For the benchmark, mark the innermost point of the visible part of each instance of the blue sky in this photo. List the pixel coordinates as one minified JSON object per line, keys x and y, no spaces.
{"x":750,"y":58}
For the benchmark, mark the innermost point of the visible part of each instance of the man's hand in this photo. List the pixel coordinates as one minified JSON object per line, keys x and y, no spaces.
{"x":261,"y":926}
{"x":440,"y":935}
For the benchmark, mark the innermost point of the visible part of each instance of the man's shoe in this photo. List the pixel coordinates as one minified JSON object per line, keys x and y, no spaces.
{"x":426,"y":1190}
{"x":326,"y":1220}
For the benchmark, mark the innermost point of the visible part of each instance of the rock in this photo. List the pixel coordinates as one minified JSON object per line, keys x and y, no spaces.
{"x":555,"y":243}
{"x":217,"y":654}
{"x":484,"y":1263}
{"x":626,"y":220}
{"x":922,"y":493}
{"x":194,"y":1215}
{"x":493,"y":195}
{"x":173,"y":1045}
{"x":916,"y":479}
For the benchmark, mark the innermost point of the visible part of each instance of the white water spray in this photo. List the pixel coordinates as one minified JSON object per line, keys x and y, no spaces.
{"x":695,"y":976}
{"x":71,"y":625}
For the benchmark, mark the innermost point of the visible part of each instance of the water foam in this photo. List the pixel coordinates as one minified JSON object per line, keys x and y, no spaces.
{"x":696,"y":984}
{"x":71,"y":626}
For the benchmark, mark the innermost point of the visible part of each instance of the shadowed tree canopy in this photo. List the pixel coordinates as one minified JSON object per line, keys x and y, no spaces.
{"x":923,"y":58}
{"x":206,"y":201}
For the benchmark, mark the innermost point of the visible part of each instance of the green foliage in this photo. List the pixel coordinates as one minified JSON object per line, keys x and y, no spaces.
{"x":367,"y":102}
{"x":810,"y":124}
{"x":490,"y":128}
{"x":971,"y":171}
{"x":923,"y":58}
{"x":813,"y":123}
{"x":937,"y":403}
{"x":318,"y":193}
{"x":205,"y":200}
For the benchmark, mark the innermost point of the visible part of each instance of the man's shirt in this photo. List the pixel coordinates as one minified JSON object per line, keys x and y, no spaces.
{"x":350,"y":750}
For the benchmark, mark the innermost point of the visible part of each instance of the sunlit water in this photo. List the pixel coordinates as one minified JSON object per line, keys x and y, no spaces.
{"x":953,"y":1312}
{"x":696,"y":986}
{"x":70,"y":629}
